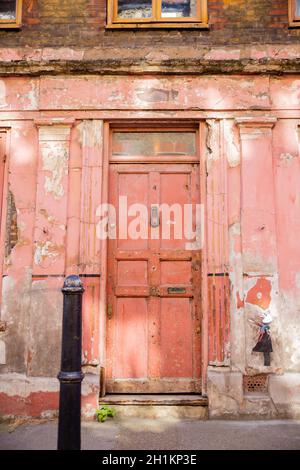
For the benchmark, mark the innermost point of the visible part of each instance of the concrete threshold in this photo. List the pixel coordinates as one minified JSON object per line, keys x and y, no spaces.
{"x":158,"y":406}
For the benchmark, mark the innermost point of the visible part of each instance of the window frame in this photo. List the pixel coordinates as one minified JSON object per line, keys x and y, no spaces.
{"x":14,"y":23}
{"x":294,"y":20}
{"x":156,"y":21}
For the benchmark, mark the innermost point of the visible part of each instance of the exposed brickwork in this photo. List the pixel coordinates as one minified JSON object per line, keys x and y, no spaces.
{"x":11,"y":225}
{"x":81,"y":23}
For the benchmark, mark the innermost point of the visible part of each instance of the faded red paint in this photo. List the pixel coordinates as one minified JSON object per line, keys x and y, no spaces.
{"x":57,"y":171}
{"x":153,"y":334}
{"x":32,"y":405}
{"x":219,"y":319}
{"x":260,"y":294}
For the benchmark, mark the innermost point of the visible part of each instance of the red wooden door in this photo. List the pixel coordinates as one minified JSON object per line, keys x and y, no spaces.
{"x":153,"y":336}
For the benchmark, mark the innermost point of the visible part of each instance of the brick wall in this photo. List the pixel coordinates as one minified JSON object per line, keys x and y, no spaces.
{"x":82,"y":23}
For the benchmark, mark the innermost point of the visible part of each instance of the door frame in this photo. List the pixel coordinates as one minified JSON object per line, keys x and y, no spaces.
{"x":6,"y":135}
{"x":200,"y":127}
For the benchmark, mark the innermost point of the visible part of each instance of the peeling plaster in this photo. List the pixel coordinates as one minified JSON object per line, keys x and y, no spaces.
{"x":13,"y":384}
{"x":91,"y":133}
{"x":32,"y":97}
{"x":52,"y":220}
{"x":55,"y":160}
{"x":212,"y":142}
{"x":235,"y":259}
{"x":151,"y":95}
{"x":232,"y":148}
{"x":3,"y":103}
{"x":290,"y":335}
{"x":12,"y":237}
{"x":45,"y":250}
{"x":237,"y":318}
{"x":2,"y":352}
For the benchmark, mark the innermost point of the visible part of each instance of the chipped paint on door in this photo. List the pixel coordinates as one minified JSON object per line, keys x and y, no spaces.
{"x":154,"y":326}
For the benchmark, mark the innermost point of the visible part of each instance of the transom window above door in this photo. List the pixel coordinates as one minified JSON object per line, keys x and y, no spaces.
{"x":157,"y":13}
{"x":155,"y":145}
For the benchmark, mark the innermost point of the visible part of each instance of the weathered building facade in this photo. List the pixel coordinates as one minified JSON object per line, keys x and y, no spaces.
{"x":215,"y":102}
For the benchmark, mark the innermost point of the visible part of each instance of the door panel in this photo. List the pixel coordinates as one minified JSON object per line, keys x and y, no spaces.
{"x":131,"y":331}
{"x":153,"y":325}
{"x":176,"y":334}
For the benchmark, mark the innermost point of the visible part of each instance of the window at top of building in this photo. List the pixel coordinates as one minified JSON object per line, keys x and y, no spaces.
{"x":10,"y":13}
{"x":157,"y":13}
{"x":294,"y":12}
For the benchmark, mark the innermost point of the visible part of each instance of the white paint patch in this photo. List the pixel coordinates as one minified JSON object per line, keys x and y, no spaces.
{"x":20,"y":385}
{"x":232,"y":150}
{"x":212,"y":143}
{"x":91,"y":133}
{"x":235,"y":260}
{"x":3,"y":103}
{"x":2,"y":352}
{"x":55,"y":160}
{"x":44,"y":250}
{"x":290,"y":334}
{"x":32,"y":97}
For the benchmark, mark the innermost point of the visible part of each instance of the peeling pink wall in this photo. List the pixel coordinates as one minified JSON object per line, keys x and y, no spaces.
{"x":250,"y":147}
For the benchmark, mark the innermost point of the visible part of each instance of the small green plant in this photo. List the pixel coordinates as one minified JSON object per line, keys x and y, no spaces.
{"x":105,"y":412}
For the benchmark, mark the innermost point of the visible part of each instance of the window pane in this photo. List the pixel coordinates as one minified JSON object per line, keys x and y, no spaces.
{"x":7,"y":9}
{"x":179,"y":8}
{"x":297,"y":7}
{"x":135,"y":8}
{"x":154,"y":143}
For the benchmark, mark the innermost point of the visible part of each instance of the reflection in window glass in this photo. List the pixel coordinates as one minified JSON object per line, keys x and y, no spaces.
{"x":135,"y":9}
{"x":178,"y":8}
{"x":7,"y":9}
{"x":154,"y":143}
{"x":297,"y":8}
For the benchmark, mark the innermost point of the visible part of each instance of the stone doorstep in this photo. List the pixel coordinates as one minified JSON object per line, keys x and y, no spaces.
{"x":158,"y":406}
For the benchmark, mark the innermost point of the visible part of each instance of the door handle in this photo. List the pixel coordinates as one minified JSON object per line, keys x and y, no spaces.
{"x":154,"y":217}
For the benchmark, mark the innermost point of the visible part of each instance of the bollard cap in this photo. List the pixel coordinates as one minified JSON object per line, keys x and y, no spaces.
{"x":72,"y":285}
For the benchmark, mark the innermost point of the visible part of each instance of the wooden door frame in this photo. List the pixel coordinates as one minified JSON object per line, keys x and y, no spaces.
{"x":3,"y":201}
{"x":109,"y":127}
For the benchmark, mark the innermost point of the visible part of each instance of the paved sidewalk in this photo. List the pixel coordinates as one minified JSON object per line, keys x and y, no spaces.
{"x":160,"y":434}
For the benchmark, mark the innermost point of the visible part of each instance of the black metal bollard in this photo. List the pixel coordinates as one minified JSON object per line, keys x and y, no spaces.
{"x":70,"y":375}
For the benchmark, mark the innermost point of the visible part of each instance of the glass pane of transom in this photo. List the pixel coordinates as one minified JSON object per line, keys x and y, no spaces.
{"x":7,"y":9}
{"x":179,"y":8}
{"x":134,"y":9}
{"x":154,"y":143}
{"x":298,"y":8}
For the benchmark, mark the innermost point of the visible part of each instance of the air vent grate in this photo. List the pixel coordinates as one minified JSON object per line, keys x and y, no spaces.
{"x":255,"y":383}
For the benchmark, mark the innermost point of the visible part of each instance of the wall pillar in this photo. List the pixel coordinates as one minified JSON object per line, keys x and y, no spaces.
{"x":259,"y":240}
{"x":91,"y":139}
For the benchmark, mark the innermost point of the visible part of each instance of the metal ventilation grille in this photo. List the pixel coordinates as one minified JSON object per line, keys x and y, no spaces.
{"x":255,"y":383}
